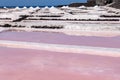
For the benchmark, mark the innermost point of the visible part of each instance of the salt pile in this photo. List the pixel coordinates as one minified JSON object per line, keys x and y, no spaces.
{"x":24,"y":7}
{"x":5,"y":7}
{"x":46,"y":7}
{"x":65,"y":7}
{"x":31,"y":7}
{"x":82,"y":7}
{"x":96,"y":7}
{"x":37,"y":7}
{"x":17,"y":8}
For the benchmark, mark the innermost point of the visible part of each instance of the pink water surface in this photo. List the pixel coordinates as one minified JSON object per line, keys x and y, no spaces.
{"x":23,"y":64}
{"x":59,"y":38}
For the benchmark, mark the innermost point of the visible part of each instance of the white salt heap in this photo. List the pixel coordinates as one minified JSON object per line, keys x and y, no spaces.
{"x":65,"y":7}
{"x":46,"y":7}
{"x":17,"y":8}
{"x":37,"y":7}
{"x":82,"y":7}
{"x":31,"y":7}
{"x":24,"y":7}
{"x":69,"y":17}
{"x":5,"y":7}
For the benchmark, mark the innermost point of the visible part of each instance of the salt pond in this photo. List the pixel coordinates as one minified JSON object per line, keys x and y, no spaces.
{"x":59,"y":38}
{"x":25,"y":64}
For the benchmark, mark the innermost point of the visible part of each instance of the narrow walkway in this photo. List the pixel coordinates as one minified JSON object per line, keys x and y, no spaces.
{"x":101,"y":51}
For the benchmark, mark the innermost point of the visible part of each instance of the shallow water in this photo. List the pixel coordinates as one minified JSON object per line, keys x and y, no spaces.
{"x":24,"y":64}
{"x":59,"y":38}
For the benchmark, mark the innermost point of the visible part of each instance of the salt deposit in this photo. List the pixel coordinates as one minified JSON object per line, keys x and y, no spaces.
{"x":46,"y":7}
{"x":63,"y":48}
{"x":24,"y":7}
{"x":57,"y":42}
{"x":37,"y":7}
{"x":5,"y":7}
{"x":69,"y":18}
{"x":82,"y":7}
{"x":17,"y":8}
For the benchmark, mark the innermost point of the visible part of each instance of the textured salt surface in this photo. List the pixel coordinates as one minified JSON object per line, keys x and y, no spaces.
{"x":23,"y":64}
{"x":58,"y":38}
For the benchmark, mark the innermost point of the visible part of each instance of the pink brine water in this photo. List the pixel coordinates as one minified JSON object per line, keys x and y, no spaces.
{"x":28,"y":64}
{"x":59,"y":38}
{"x":23,"y":64}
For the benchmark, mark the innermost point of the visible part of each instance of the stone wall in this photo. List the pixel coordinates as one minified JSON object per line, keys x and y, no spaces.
{"x":116,"y":4}
{"x":88,"y":4}
{"x":104,"y":2}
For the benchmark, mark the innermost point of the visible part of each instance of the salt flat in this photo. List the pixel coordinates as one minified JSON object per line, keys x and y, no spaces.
{"x":60,"y":43}
{"x":76,"y":19}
